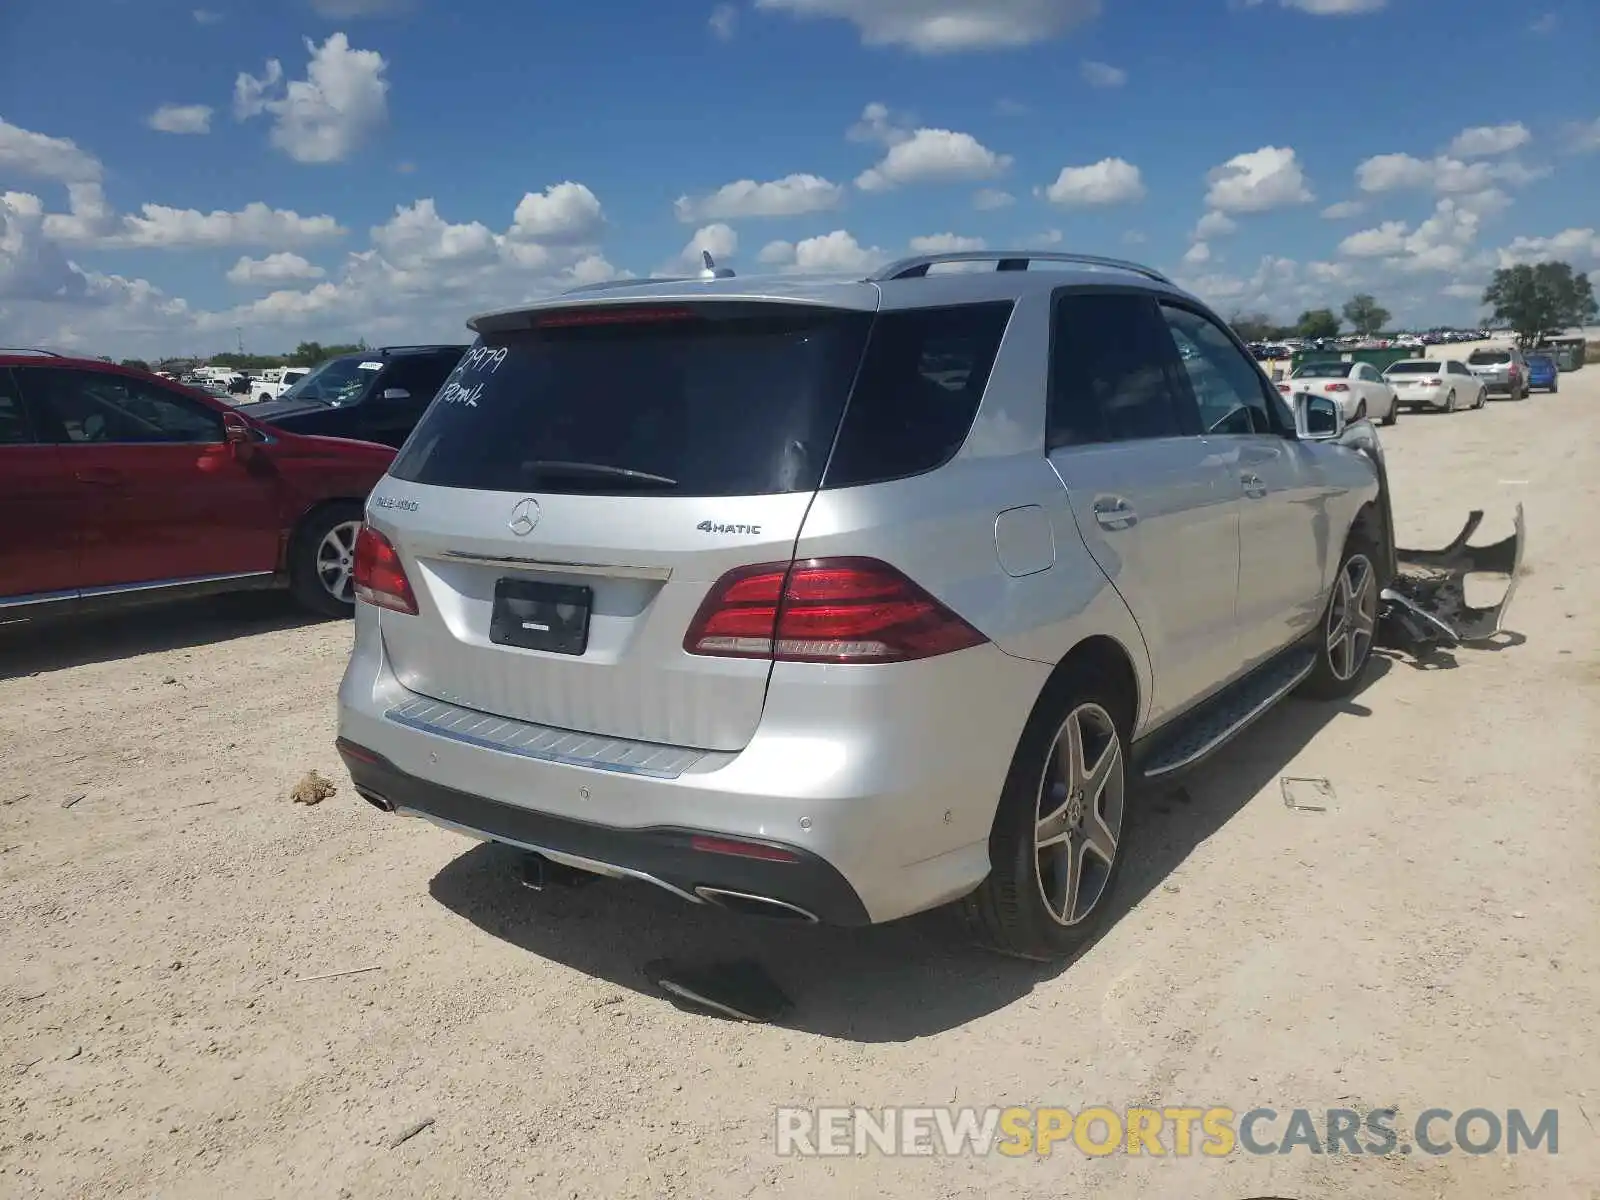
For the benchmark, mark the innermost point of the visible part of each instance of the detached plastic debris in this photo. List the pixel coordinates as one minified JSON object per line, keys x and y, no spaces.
{"x":1306,"y":795}
{"x":1427,"y":601}
{"x":741,"y":989}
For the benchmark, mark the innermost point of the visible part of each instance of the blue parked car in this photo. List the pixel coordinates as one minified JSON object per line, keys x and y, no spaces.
{"x":1542,"y":372}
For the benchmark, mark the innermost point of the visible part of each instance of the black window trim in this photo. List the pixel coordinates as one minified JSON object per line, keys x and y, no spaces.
{"x":49,"y":431}
{"x":30,"y":421}
{"x":1269,"y":390}
{"x":1181,"y":395}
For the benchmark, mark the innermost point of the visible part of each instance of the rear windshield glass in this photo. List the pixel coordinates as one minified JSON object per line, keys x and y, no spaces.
{"x":1414,"y":368}
{"x":724,"y":400}
{"x":1323,"y":370}
{"x":714,"y":400}
{"x":1482,"y":357}
{"x":1541,"y":360}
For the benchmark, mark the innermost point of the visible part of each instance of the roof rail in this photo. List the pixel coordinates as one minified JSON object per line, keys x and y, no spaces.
{"x":1008,"y":260}
{"x":31,"y":350}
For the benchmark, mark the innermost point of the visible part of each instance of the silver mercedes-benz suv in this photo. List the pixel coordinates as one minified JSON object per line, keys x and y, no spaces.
{"x":839,"y":600}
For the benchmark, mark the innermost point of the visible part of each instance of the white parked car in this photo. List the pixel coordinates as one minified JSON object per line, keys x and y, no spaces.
{"x":1433,"y":383}
{"x":276,"y":382}
{"x":1359,"y":388}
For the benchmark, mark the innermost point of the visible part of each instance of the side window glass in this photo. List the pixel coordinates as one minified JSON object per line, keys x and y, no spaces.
{"x":917,"y":392}
{"x":1109,"y":378}
{"x":96,"y":407}
{"x":15,"y":429}
{"x":1228,"y":388}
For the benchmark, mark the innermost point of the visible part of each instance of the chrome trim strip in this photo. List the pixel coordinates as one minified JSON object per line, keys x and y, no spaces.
{"x":616,"y":571}
{"x":125,"y":589}
{"x":593,"y":866}
{"x":558,"y":745}
{"x":710,"y":895}
{"x":1236,"y":727}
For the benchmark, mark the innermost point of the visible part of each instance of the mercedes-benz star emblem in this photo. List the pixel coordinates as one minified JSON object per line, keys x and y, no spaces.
{"x":524,"y":517}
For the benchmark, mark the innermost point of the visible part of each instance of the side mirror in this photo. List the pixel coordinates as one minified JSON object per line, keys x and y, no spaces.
{"x":1317,"y":418}
{"x":236,"y":431}
{"x":396,"y":394}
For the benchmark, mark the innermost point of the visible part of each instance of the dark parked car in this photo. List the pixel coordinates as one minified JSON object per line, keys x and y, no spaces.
{"x":373,"y":396}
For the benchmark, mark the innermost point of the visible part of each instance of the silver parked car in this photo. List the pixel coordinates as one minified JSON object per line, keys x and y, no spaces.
{"x":1502,"y":369}
{"x":839,"y":600}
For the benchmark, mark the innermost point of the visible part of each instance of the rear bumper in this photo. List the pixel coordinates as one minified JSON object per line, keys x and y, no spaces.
{"x":883,"y":781}
{"x":663,"y":856}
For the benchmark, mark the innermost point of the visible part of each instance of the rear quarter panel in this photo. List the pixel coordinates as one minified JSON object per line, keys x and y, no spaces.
{"x":313,"y":470}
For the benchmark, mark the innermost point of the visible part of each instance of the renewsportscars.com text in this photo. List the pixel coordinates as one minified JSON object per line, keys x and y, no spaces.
{"x":1178,"y":1131}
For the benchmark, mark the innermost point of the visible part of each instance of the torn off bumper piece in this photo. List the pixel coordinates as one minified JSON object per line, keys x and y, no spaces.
{"x":1426,"y":603}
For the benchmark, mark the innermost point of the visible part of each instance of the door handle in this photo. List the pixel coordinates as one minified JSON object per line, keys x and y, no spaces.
{"x":1113,"y":512}
{"x":101,"y":476}
{"x":1253,"y":487}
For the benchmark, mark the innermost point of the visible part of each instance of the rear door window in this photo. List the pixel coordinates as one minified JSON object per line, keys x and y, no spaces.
{"x":700,"y":400}
{"x":100,"y":407}
{"x":1113,"y":375}
{"x":918,"y":391}
{"x":15,"y":428}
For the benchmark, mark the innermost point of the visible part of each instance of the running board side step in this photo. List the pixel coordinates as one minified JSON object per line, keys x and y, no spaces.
{"x":1197,"y":735}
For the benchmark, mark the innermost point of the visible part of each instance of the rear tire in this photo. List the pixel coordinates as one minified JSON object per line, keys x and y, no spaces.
{"x":321,"y":558}
{"x":1450,"y":403}
{"x":1060,"y":831}
{"x":1348,"y":629}
{"x":1392,"y":417}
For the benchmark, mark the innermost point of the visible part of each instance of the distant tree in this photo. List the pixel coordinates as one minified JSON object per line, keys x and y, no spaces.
{"x":1317,"y":323}
{"x":1534,"y":300}
{"x":246,"y":362}
{"x":309,"y":354}
{"x":1366,"y":314}
{"x":1254,"y":327}
{"x":138,"y":364}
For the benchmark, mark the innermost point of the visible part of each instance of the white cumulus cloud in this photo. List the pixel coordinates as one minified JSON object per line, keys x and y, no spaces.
{"x":791,"y":196}
{"x":563,"y":213}
{"x":947,"y":26}
{"x":181,"y":118}
{"x":283,"y":267}
{"x":1261,"y":180}
{"x":836,"y":253}
{"x":1214,"y":225}
{"x":1486,"y":141}
{"x":1109,"y":181}
{"x":933,"y":156}
{"x":38,"y":156}
{"x":1102,"y":75}
{"x":325,"y":117}
{"x":945,"y":243}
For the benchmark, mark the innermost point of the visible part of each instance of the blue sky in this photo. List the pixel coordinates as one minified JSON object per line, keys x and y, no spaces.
{"x":324,"y":169}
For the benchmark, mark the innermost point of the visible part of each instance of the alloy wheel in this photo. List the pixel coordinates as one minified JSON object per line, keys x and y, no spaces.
{"x":336,"y":558}
{"x":1079,"y":814}
{"x":1352,"y":618}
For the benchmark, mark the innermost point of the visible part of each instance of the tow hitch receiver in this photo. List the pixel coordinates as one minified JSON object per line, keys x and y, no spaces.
{"x":1426,"y":604}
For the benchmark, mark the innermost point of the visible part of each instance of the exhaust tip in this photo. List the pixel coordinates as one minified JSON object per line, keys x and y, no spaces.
{"x":756,"y":906}
{"x":381,"y":803}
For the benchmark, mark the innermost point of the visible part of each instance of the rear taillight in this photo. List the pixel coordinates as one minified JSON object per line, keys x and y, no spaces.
{"x":1336,"y":387}
{"x":380,"y":576}
{"x":825,"y":610}
{"x":1284,"y":388}
{"x":1433,"y":383}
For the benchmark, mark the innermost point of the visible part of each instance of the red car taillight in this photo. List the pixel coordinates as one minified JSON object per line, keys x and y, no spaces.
{"x":1336,"y":387}
{"x":825,"y":610}
{"x":1433,"y":383}
{"x":1284,"y":388}
{"x":380,"y":576}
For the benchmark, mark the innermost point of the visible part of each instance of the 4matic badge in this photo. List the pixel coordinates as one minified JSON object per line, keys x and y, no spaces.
{"x":719,"y":527}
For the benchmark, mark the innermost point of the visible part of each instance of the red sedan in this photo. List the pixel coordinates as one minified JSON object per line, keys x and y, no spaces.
{"x":118,"y":487}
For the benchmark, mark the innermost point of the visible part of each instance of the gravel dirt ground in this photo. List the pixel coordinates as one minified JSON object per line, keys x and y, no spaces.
{"x":1430,"y":941}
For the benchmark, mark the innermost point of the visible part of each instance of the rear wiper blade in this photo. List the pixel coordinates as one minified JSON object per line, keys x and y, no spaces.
{"x":596,"y":471}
